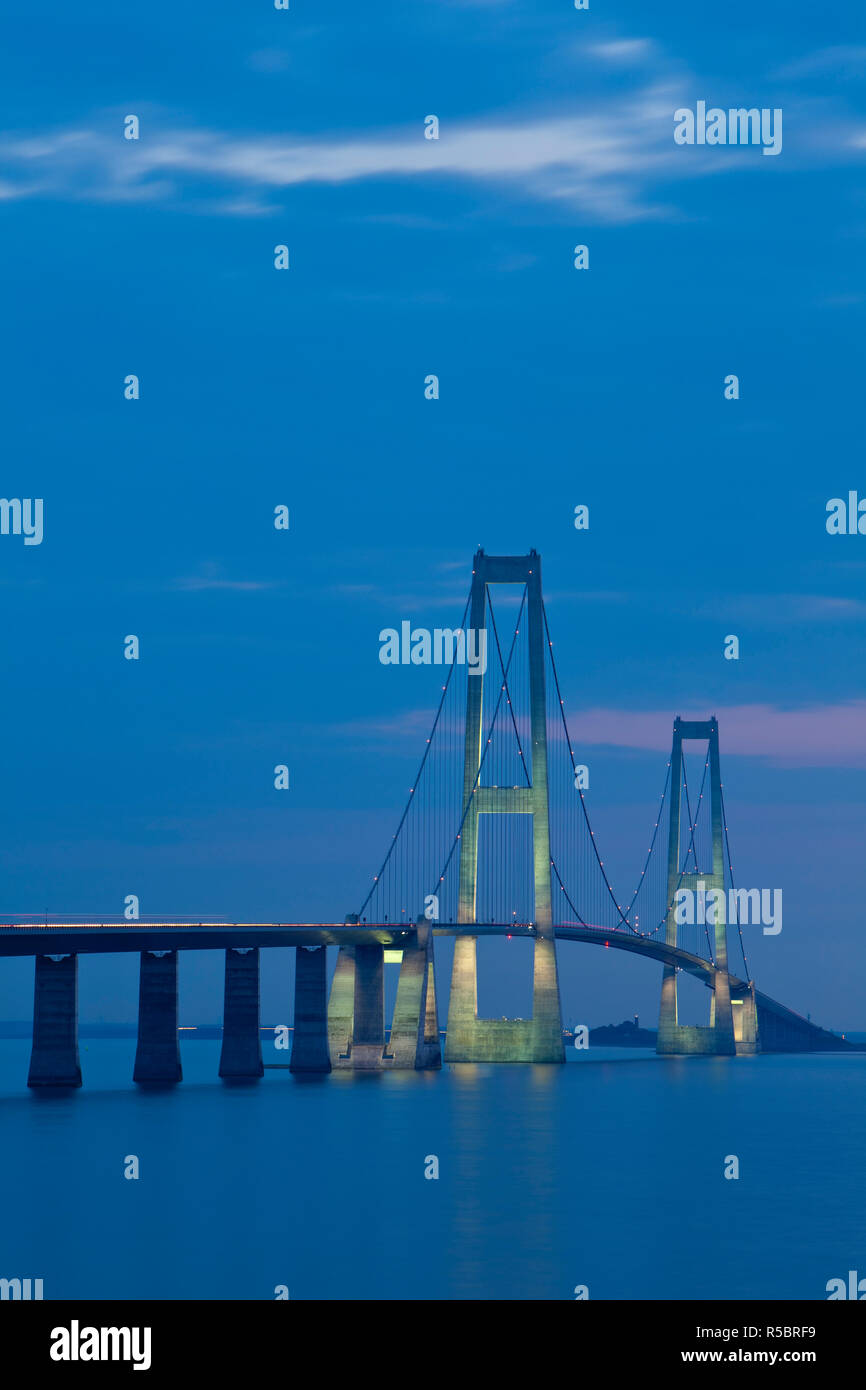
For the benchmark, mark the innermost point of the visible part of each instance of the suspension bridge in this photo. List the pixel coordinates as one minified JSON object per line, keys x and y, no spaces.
{"x":495,"y":839}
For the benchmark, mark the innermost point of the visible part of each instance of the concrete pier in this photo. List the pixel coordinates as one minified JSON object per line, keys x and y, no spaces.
{"x":431,"y":1011}
{"x":356,"y":1010}
{"x":414,"y":1040}
{"x":310,"y":1052}
{"x":157,"y":1057}
{"x":341,"y":1006}
{"x":745,"y":1011}
{"x":368,"y":1032}
{"x":54,"y":1059}
{"x":241,"y":1055}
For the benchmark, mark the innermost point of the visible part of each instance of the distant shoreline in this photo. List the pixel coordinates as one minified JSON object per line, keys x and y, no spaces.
{"x":127,"y":1030}
{"x":608,"y":1035}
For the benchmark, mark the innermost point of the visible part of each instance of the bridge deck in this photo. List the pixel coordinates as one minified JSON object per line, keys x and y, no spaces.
{"x":86,"y":938}
{"x":58,"y":937}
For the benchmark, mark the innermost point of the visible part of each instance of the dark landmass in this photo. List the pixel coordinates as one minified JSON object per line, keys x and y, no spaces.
{"x":622,"y":1035}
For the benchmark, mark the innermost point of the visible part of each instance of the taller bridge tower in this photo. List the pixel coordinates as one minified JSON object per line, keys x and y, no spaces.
{"x":470,"y":1038}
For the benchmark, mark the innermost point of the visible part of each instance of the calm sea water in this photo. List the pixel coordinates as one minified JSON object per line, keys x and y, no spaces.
{"x":606,"y":1172}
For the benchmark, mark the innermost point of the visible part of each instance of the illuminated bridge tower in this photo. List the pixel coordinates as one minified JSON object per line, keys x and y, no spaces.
{"x":675,"y":1038}
{"x":470,"y":1038}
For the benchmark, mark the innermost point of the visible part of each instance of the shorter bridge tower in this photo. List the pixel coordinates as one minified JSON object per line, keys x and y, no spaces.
{"x":675,"y":1038}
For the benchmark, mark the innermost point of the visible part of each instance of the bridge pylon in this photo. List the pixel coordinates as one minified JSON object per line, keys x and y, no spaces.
{"x":356,"y":1008}
{"x":675,"y":1038}
{"x":470,"y":1038}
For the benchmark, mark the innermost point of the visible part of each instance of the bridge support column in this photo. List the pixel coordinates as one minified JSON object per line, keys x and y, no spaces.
{"x":431,"y":1011}
{"x":414,"y":1040}
{"x":341,"y":1006}
{"x":341,"y":1002}
{"x":310,"y":1036}
{"x":666,"y":1038}
{"x":462,"y":1001}
{"x":745,"y":1012}
{"x":157,"y":1057}
{"x":368,"y":1031}
{"x":241,"y":1055}
{"x":675,"y":1038}
{"x":547,"y":1043}
{"x":356,"y":1013}
{"x":54,"y":1059}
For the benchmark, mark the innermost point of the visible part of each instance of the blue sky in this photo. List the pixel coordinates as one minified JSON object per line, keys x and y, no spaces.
{"x":558,"y":387}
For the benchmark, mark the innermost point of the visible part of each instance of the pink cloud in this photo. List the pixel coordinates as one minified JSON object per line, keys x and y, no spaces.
{"x":814,"y":736}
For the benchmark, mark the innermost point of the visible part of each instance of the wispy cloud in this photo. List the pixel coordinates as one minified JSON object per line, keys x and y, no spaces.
{"x":606,"y":155}
{"x":411,"y":727}
{"x":846,"y":60}
{"x":269,"y":60}
{"x":813,"y":736}
{"x":758,"y":610}
{"x":625,"y":51}
{"x":210,"y":576}
{"x":772,"y":610}
{"x":602,"y":160}
{"x":399,"y":603}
